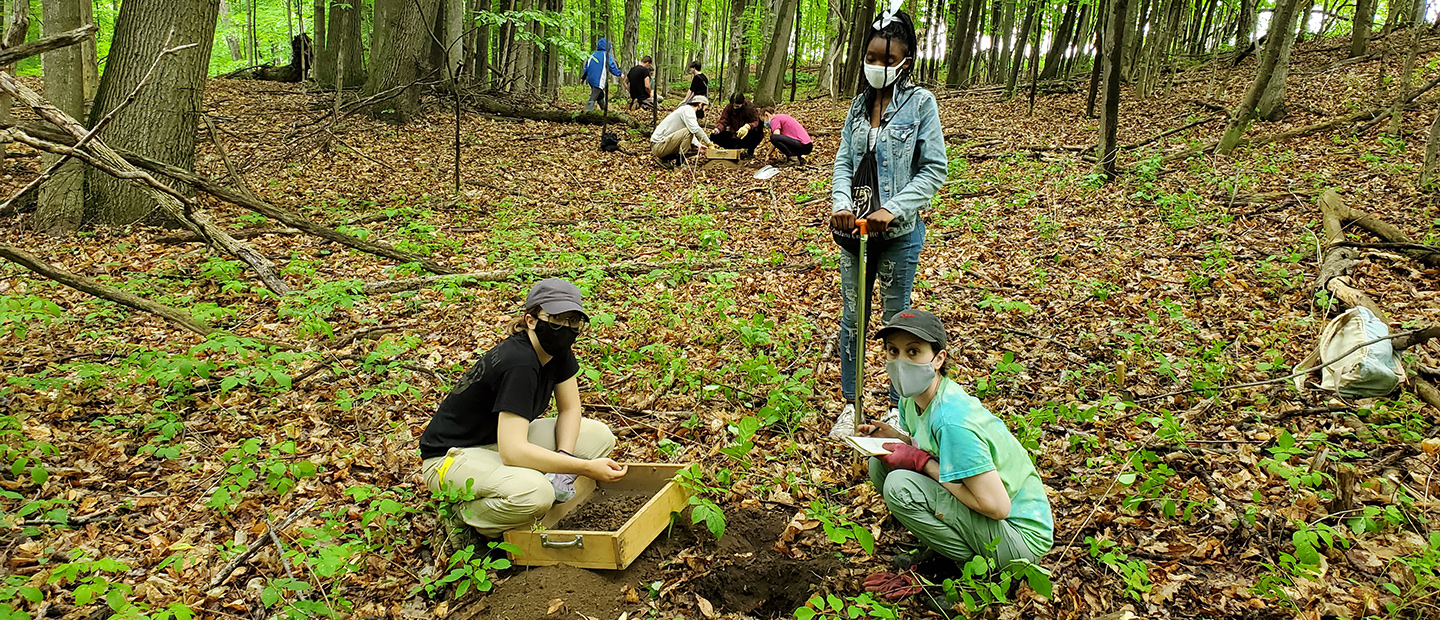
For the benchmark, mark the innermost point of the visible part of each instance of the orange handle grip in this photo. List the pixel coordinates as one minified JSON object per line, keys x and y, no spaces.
{"x":864,"y":226}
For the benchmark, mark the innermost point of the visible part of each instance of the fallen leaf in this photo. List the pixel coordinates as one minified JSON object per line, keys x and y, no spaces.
{"x":555,"y":605}
{"x":705,"y":607}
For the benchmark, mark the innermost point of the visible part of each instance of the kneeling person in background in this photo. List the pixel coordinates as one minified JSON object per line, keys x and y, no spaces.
{"x":788,"y":136}
{"x":488,"y":441}
{"x":955,"y":476}
{"x":679,"y":131}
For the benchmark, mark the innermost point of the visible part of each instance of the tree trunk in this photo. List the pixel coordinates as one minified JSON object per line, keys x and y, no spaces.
{"x":1363,"y":21}
{"x":450,"y":52}
{"x":956,"y":32}
{"x":862,"y":14}
{"x":736,"y":79}
{"x":834,"y":22}
{"x":16,"y":25}
{"x":1035,"y":59}
{"x":399,"y":56}
{"x":1428,"y":176}
{"x":772,"y":69}
{"x":1245,"y":23}
{"x":630,"y":34}
{"x":1007,"y":35}
{"x":967,"y":40}
{"x":1269,"y":58}
{"x":89,"y":57}
{"x":1110,"y":119}
{"x":1130,"y":55}
{"x":1101,"y":17}
{"x":1060,"y":42}
{"x":62,"y":198}
{"x":231,"y":43}
{"x":161,"y":121}
{"x":1407,"y":68}
{"x":318,"y":42}
{"x":1020,"y":46}
{"x":1272,"y":101}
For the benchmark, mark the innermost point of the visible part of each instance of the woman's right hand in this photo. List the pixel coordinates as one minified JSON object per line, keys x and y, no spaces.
{"x":604,"y":470}
{"x":879,"y":429}
{"x":843,"y":221}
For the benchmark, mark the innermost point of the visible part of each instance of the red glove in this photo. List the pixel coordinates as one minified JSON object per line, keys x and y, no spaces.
{"x":905,"y":456}
{"x":892,"y":586}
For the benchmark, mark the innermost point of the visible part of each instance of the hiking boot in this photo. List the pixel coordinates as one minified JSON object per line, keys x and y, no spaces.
{"x":844,"y":423}
{"x":892,"y":417}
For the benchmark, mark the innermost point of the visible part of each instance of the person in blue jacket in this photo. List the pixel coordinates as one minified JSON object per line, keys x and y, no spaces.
{"x":594,"y":75}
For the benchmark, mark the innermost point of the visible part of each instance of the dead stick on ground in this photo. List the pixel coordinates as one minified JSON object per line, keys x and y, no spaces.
{"x":1298,"y":373}
{"x":176,"y":209}
{"x":254,"y":547}
{"x":1338,"y":260}
{"x":175,"y":315}
{"x":1376,"y":226}
{"x":240,"y":184}
{"x":266,"y":209}
{"x":499,"y":275}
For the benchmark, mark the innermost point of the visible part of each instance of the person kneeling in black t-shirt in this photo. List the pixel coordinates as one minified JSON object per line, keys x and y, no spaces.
{"x":488,"y":440}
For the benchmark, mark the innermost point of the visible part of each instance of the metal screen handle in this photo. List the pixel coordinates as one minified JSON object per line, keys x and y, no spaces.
{"x":578,"y":541}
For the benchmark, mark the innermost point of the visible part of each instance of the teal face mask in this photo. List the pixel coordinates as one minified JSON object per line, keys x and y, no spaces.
{"x":910,"y":379}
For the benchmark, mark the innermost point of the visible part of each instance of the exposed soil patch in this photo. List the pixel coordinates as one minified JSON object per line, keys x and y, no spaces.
{"x":768,"y":586}
{"x":752,"y":577}
{"x":604,"y":511}
{"x":527,"y":594}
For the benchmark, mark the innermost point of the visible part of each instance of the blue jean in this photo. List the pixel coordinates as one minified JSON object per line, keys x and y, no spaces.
{"x":894,"y":270}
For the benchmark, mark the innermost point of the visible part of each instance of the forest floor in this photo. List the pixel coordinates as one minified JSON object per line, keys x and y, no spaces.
{"x":140,"y":458}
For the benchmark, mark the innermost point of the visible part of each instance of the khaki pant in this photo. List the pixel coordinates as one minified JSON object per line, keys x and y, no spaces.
{"x":505,"y":496}
{"x":671,"y":145}
{"x":942,"y":522}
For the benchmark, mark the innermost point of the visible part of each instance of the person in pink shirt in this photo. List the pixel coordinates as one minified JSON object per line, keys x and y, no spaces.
{"x":788,"y":136}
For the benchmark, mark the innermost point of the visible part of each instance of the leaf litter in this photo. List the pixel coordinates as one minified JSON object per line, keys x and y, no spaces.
{"x":132,"y":442}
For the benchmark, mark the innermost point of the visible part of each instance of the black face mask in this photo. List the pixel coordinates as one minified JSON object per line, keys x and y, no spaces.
{"x":699,"y":113}
{"x":555,"y":339}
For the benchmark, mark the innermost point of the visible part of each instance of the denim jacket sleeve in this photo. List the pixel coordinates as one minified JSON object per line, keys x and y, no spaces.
{"x":930,"y":165}
{"x":844,"y":171}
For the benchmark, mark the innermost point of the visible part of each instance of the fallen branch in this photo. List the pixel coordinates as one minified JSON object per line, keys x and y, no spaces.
{"x":286,"y":217}
{"x":179,"y":210}
{"x":475,"y":278}
{"x":54,"y":167}
{"x":1298,"y":373}
{"x":243,"y":234}
{"x":1338,"y":260}
{"x":1380,"y":228}
{"x":12,"y":55}
{"x":1171,"y":132}
{"x":491,"y":106}
{"x":259,"y":543}
{"x":174,"y":315}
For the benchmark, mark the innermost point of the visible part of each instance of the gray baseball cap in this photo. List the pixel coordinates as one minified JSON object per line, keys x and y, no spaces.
{"x":922,"y":324}
{"x":555,"y":296}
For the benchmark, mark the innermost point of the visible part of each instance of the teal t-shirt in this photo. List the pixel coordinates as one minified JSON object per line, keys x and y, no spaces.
{"x":967,"y":440}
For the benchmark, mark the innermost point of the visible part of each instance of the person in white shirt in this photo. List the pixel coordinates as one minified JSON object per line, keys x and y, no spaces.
{"x":680,"y":130}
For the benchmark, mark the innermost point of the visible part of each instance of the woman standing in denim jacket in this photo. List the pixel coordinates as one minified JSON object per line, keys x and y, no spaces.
{"x":900,"y":123}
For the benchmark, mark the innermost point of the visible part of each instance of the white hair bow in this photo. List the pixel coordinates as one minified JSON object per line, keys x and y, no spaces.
{"x":888,"y":17}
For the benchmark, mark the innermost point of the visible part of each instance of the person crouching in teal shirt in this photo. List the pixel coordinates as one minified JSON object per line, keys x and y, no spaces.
{"x":956,"y":477}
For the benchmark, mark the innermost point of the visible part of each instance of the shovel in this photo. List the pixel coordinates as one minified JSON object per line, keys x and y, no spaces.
{"x":860,"y":322}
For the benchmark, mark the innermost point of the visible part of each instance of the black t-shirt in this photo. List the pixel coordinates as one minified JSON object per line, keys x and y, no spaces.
{"x":700,"y":85}
{"x":508,"y":377}
{"x":637,"y":76}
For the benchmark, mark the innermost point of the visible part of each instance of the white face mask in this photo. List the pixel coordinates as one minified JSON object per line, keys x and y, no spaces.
{"x":880,"y":76}
{"x":910,"y":379}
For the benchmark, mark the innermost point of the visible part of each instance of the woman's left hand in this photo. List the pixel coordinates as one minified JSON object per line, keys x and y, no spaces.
{"x":879,"y":221}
